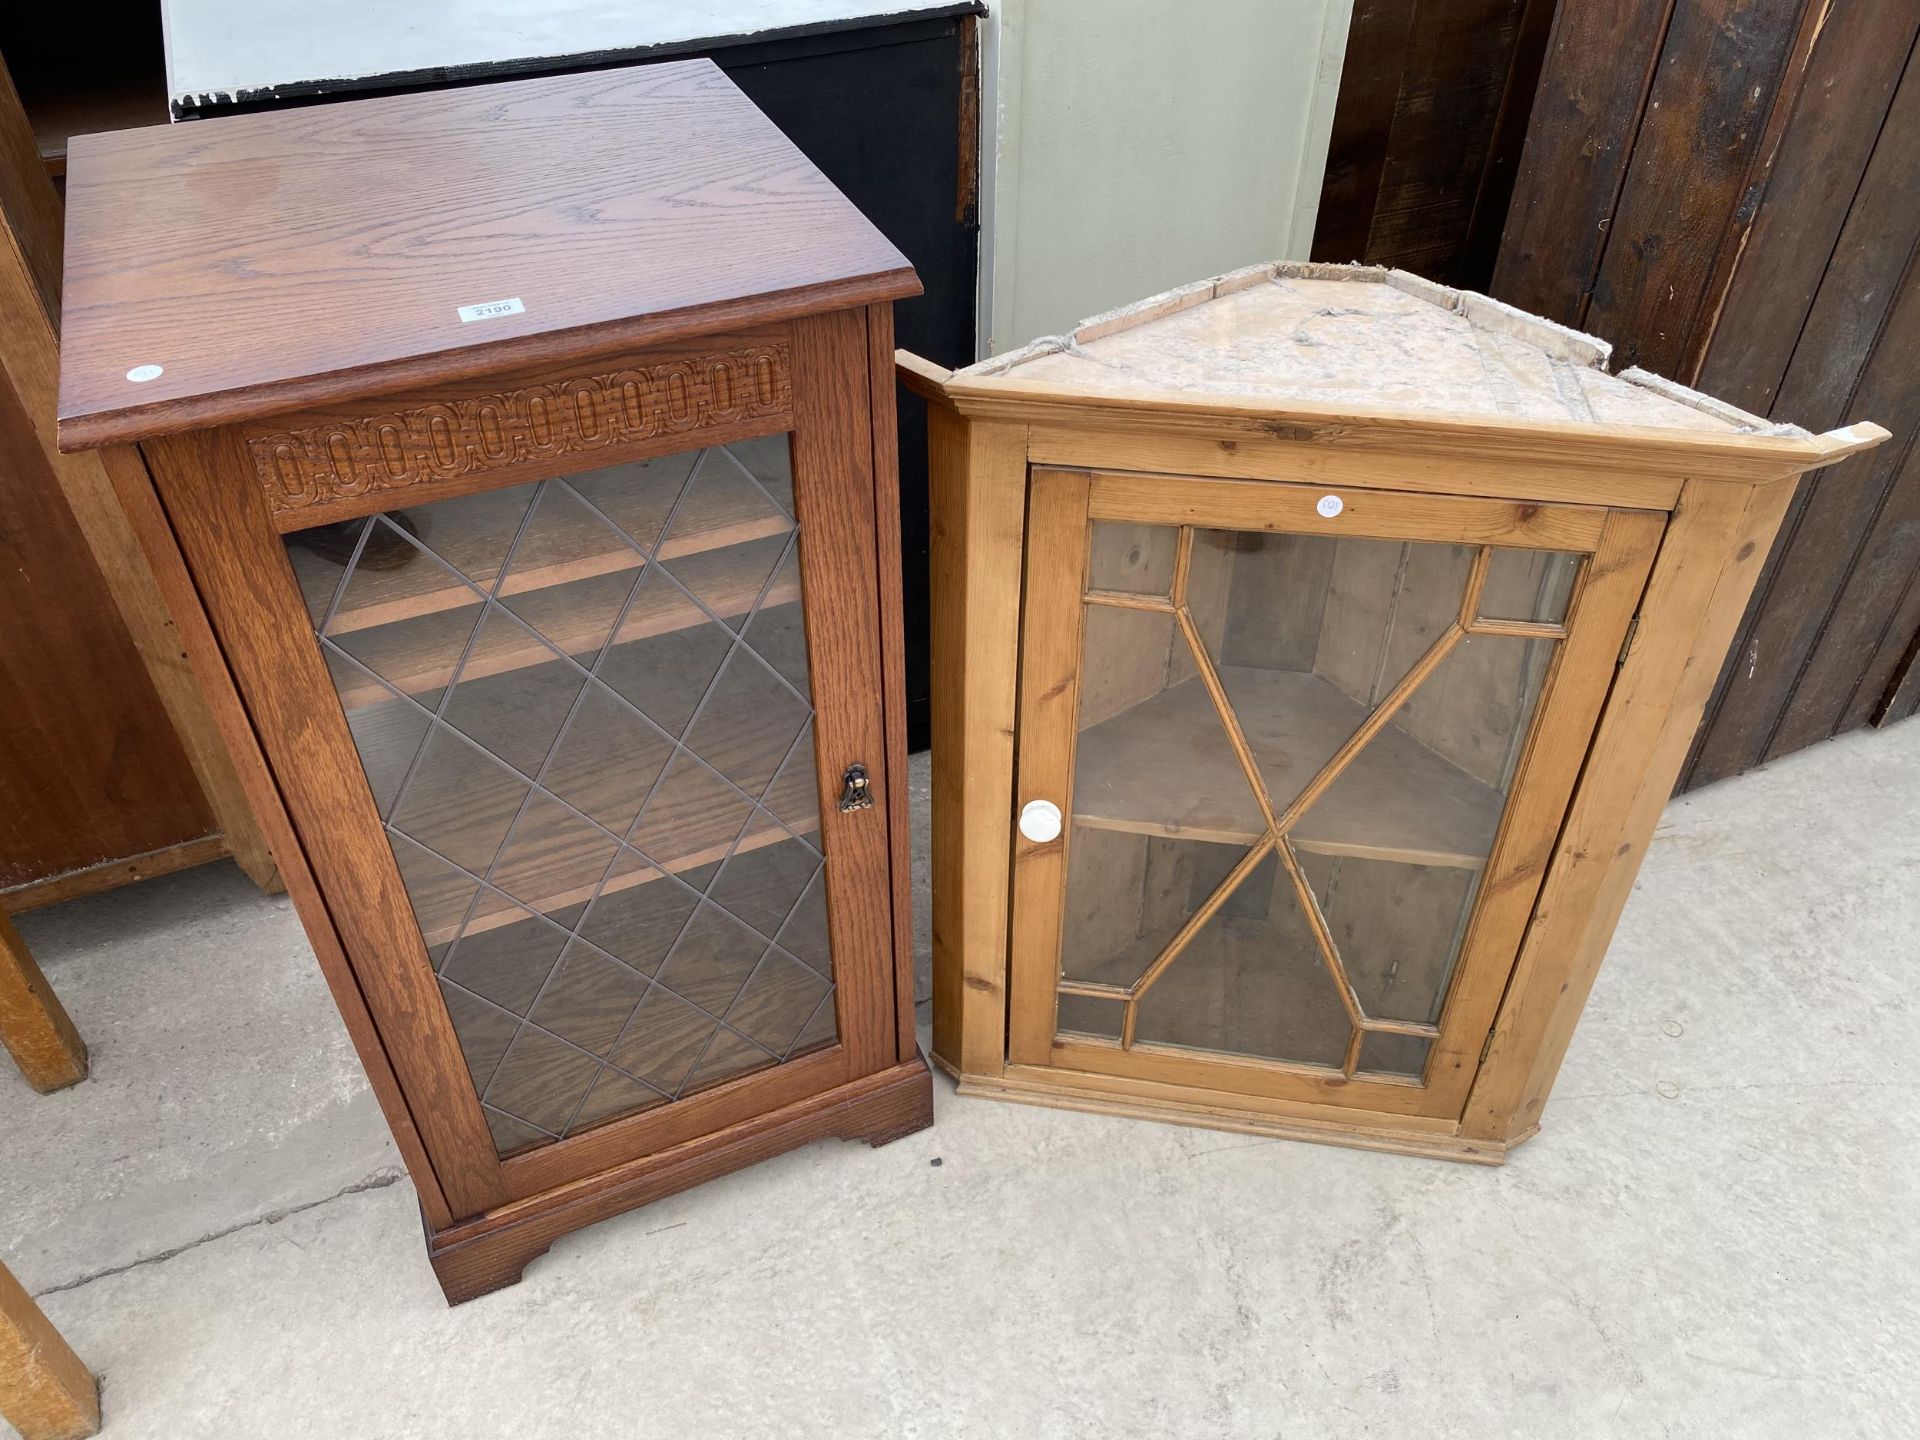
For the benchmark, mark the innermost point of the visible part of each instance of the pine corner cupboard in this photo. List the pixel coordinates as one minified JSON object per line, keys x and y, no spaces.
{"x":531,"y":448}
{"x":1318,"y":647}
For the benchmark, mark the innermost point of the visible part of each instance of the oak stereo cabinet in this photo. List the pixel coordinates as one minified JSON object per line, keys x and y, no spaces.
{"x":1319,"y":647}
{"x":531,"y":449}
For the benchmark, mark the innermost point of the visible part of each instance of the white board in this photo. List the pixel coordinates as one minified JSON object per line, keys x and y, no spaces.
{"x":220,"y":50}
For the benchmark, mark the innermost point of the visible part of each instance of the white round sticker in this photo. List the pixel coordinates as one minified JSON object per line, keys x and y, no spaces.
{"x":140,"y":374}
{"x":1330,"y":505}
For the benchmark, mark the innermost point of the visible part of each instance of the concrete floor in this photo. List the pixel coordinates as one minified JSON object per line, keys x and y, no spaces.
{"x":1714,"y":1235}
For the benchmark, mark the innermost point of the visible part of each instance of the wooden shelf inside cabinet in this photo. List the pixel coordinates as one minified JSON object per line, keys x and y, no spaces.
{"x":468,"y":537}
{"x":387,"y":728}
{"x":1162,"y":768}
{"x":540,"y":532}
{"x":418,"y":656}
{"x":441,"y":900}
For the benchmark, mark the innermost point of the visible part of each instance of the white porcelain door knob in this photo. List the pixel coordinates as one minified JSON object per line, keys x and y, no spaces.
{"x":1040,"y":821}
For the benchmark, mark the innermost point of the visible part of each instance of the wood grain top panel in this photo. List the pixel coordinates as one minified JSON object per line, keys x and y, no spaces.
{"x":296,"y":257}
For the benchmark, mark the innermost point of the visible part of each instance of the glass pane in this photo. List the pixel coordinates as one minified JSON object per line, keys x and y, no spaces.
{"x":1129,"y":894}
{"x":804,"y":934}
{"x":553,"y":860}
{"x":577,"y":771}
{"x":584,"y":711}
{"x":1397,"y":927}
{"x":641,"y":910}
{"x":726,"y":538}
{"x":1313,"y":641}
{"x":571,"y":573}
{"x":1395,"y":848}
{"x":588,"y":1000}
{"x":388,"y":729}
{"x":729,"y":1056}
{"x":712,"y":959}
{"x":636,"y":499}
{"x":1153,"y":756}
{"x":514,"y":696}
{"x":1310,"y":633}
{"x":404,"y":563}
{"x":415,"y":655}
{"x":1529,"y":585}
{"x":1094,"y":1016}
{"x":615,"y":1094}
{"x":542,"y":1081}
{"x":1155,"y":828}
{"x":505,"y":959}
{"x":1337,"y":623}
{"x":768,"y":461}
{"x":663,"y":1040}
{"x":440,"y":893}
{"x":484,"y":1030}
{"x":765,"y":876}
{"x":1134,"y":558}
{"x":692,"y":817}
{"x":777,"y":1000}
{"x":795,"y":795}
{"x":1402,"y":1056}
{"x":748,"y":721}
{"x":665,"y":653}
{"x":778,"y":633}
{"x":1252,"y":981}
{"x":459,"y":802}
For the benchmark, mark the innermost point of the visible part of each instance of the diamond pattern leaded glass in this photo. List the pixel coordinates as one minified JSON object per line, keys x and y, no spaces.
{"x":584,"y":713}
{"x":1293,"y":758}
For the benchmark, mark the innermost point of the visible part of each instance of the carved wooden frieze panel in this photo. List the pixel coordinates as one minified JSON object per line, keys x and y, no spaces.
{"x":463,"y":436}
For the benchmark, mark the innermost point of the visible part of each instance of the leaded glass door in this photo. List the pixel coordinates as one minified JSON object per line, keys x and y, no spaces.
{"x":589,"y":708}
{"x":1290,"y":763}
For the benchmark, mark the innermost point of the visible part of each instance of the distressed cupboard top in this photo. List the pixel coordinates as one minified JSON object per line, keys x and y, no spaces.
{"x":258,"y":263}
{"x":1353,"y":356}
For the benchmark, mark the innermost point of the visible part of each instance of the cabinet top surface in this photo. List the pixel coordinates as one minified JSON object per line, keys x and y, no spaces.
{"x":1352,"y":350}
{"x":259,"y":263}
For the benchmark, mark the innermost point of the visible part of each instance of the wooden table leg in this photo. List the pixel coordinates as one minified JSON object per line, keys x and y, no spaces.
{"x":45,"y":1392}
{"x":34,"y":1028}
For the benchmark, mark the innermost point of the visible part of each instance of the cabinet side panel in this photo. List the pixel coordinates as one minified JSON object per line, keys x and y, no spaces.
{"x":977,"y":481}
{"x":893,"y":651}
{"x":1708,"y":562}
{"x":134,"y":491}
{"x":93,"y":772}
{"x":221,"y":520}
{"x":30,"y":353}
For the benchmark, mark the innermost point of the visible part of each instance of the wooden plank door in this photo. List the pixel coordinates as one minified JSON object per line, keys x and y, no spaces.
{"x":1311,"y":751}
{"x":566,"y":745}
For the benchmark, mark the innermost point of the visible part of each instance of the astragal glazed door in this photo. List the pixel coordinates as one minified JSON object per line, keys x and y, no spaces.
{"x":1290,"y":765}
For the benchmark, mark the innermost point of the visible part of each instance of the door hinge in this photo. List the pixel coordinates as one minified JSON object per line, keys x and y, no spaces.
{"x":1626,"y":644}
{"x":1485,"y":1046}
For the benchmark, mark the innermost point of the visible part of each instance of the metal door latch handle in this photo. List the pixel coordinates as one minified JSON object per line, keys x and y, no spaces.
{"x":856,"y":790}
